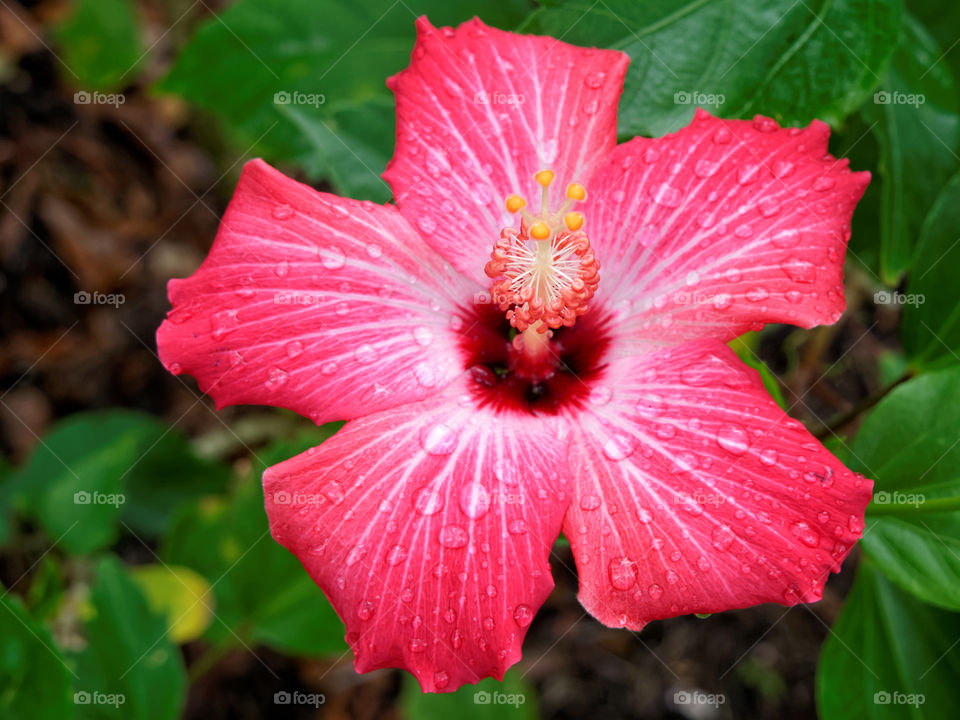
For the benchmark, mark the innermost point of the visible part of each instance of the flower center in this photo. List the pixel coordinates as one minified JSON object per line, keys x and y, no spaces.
{"x":546,"y":272}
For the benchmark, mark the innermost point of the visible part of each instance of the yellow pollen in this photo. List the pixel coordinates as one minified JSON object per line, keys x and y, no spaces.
{"x":573,"y":220}
{"x":514,"y":203}
{"x":544,"y":177}
{"x":576,"y":191}
{"x":540,"y":231}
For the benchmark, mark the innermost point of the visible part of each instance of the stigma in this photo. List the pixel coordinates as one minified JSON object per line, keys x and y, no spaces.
{"x":545,"y":272}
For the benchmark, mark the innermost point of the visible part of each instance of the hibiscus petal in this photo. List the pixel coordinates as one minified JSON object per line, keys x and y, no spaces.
{"x":721,"y":227}
{"x":695,"y":493}
{"x":479,"y":112}
{"x":429,"y":527}
{"x":327,"y":306}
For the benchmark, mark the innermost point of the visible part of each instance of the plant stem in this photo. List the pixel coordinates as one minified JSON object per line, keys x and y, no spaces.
{"x":868,"y":402}
{"x":936,"y":505}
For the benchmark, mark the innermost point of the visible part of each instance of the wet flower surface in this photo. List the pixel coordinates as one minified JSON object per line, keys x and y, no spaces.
{"x":532,"y":340}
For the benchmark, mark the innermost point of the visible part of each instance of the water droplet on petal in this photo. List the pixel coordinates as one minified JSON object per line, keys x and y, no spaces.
{"x":428,"y":502}
{"x":282,"y":212}
{"x":453,"y":536}
{"x":594,"y":80}
{"x":422,"y":335}
{"x":655,"y":592}
{"x":757,"y":294}
{"x":800,"y":271}
{"x":366,"y":354}
{"x":618,"y":446}
{"x":439,"y":439}
{"x":294,"y":348}
{"x":474,"y":500}
{"x":823,"y":184}
{"x":441,"y":679}
{"x":650,"y":406}
{"x":768,"y":206}
{"x":332,"y":258}
{"x":417,"y":645}
{"x":517,"y":527}
{"x":590,"y":502}
{"x":522,"y":616}
{"x":733,"y":439}
{"x":664,"y":194}
{"x":600,"y":395}
{"x":723,"y":537}
{"x":806,"y":534}
{"x":277,"y":378}
{"x":768,"y":457}
{"x":622,"y":572}
{"x":396,"y":555}
{"x":365,"y":610}
{"x":426,"y":224}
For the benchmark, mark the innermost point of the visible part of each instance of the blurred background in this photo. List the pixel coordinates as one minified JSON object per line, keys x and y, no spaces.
{"x":138,"y":573}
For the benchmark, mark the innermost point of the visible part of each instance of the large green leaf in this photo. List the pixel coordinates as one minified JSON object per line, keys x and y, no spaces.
{"x":34,"y":680}
{"x":790,"y":60}
{"x":914,"y":115}
{"x":487,"y":700}
{"x":931,"y":315}
{"x":908,"y":445}
{"x":248,"y":65}
{"x":128,"y":658}
{"x":100,"y":43}
{"x":889,"y":656}
{"x":94,"y":469}
{"x":261,"y":592}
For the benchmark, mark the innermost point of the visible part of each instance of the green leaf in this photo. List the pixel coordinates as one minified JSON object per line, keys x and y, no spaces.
{"x":262,"y":592}
{"x":247,"y":65}
{"x":931,"y":313}
{"x":8,"y":493}
{"x":100,"y":43}
{"x":487,"y":700}
{"x":793,"y":61}
{"x":180,"y":595}
{"x":94,"y":469}
{"x":917,"y":549}
{"x":128,"y":656}
{"x":34,"y":679}
{"x":889,"y":656}
{"x":915,"y":117}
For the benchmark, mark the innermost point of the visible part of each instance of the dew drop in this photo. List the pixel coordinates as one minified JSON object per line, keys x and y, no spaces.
{"x":768,"y":457}
{"x":328,"y":368}
{"x":453,"y":536}
{"x":806,"y":534}
{"x":417,"y":645}
{"x":733,"y":439}
{"x":422,"y":335}
{"x":426,"y":224}
{"x":655,"y":592}
{"x":618,"y":446}
{"x":800,"y":271}
{"x":517,"y":527}
{"x":600,"y":395}
{"x":650,"y":406}
{"x":622,"y":572}
{"x":332,"y":258}
{"x":474,"y":500}
{"x":366,"y":354}
{"x":439,"y":439}
{"x":590,"y":502}
{"x":441,"y":679}
{"x":594,"y":80}
{"x":722,"y":537}
{"x":757,"y":294}
{"x":282,"y":212}
{"x":522,"y":616}
{"x":365,"y":610}
{"x":396,"y":555}
{"x":294,"y":348}
{"x":664,"y":194}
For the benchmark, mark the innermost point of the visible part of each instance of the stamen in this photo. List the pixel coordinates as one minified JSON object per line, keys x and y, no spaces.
{"x":546,"y":272}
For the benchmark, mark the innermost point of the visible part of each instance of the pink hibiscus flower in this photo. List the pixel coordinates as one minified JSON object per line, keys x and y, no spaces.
{"x":511,"y":371}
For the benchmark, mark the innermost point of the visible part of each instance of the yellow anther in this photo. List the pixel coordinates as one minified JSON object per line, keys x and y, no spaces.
{"x":514,"y":203}
{"x":576,"y":191}
{"x":573,"y":220}
{"x":540,"y":231}
{"x":544,"y":177}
